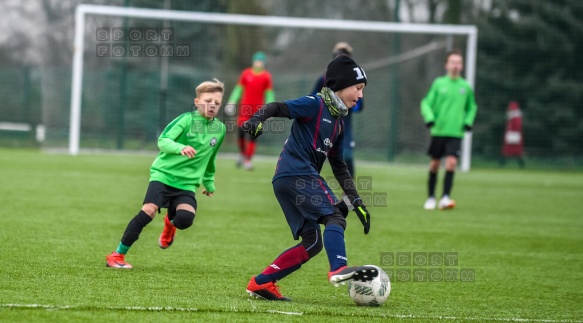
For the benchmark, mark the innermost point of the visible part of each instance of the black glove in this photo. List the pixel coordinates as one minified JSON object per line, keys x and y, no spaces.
{"x":362,"y":214}
{"x":467,"y":128}
{"x":253,"y":126}
{"x":430,"y":124}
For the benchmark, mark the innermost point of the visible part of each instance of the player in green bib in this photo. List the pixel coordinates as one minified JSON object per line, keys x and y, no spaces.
{"x":188,"y":149}
{"x":449,"y":109}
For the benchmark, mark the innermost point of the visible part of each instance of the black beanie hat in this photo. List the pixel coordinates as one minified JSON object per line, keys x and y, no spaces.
{"x":343,"y":72}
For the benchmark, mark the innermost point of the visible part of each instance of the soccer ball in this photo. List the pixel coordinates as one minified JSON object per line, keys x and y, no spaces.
{"x":371,"y":293}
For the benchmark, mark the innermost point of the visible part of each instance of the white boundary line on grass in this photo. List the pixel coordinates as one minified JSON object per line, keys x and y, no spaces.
{"x":481,"y":319}
{"x":182,"y":309}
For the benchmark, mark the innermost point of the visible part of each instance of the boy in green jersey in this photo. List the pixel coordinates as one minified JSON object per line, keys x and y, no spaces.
{"x":188,"y":149}
{"x":449,"y":109}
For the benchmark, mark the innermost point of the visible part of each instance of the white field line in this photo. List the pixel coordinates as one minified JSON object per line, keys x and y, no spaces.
{"x":182,"y":309}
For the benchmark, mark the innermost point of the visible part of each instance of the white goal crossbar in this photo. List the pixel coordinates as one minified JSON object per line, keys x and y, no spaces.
{"x":207,"y":17}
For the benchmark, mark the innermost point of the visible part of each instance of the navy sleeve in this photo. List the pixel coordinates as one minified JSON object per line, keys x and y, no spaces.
{"x":271,"y":110}
{"x":304,"y":107}
{"x":340,"y":170}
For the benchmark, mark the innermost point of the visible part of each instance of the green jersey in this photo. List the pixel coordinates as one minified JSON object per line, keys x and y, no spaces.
{"x":450,"y":105}
{"x":176,"y":170}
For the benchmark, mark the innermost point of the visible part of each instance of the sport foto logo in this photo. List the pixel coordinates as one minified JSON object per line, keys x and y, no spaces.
{"x":139,"y":42}
{"x":425,"y":267}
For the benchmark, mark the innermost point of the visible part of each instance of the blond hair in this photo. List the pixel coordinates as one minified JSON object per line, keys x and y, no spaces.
{"x":210,"y":87}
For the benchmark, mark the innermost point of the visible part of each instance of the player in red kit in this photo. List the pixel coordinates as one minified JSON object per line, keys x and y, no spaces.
{"x":254,"y":89}
{"x":513,"y":139}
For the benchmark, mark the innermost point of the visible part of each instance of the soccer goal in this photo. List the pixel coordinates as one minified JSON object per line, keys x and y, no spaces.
{"x":134,"y":70}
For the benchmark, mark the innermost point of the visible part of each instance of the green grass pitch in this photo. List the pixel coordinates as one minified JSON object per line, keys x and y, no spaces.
{"x":520,"y":232}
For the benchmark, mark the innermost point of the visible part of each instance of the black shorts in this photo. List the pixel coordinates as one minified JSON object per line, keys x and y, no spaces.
{"x":168,"y":197}
{"x":444,"y":146}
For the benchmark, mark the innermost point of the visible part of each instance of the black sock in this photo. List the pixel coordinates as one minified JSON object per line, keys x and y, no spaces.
{"x":448,"y":182}
{"x":134,"y":228}
{"x":431,"y":183}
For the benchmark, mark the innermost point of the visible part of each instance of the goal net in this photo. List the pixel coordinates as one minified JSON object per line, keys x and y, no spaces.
{"x":135,"y":70}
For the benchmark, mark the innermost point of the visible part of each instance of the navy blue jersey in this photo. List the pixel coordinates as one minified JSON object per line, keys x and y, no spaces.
{"x":315,"y":135}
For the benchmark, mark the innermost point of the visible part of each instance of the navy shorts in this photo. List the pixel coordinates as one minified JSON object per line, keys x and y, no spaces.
{"x":304,"y":200}
{"x":168,"y":197}
{"x":444,"y":146}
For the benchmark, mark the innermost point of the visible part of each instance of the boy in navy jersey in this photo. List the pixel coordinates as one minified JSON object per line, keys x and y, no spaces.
{"x":343,"y":48}
{"x":306,"y":199}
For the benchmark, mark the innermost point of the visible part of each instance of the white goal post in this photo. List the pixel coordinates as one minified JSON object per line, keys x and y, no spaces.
{"x":206,"y":17}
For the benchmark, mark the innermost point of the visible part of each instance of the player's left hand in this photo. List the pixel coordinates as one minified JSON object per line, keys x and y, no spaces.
{"x":253,"y":126}
{"x":467,"y":128}
{"x":188,"y":151}
{"x":207,"y":193}
{"x":362,"y":213}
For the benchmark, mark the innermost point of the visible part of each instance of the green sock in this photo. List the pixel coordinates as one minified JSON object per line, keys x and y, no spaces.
{"x":122,"y":249}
